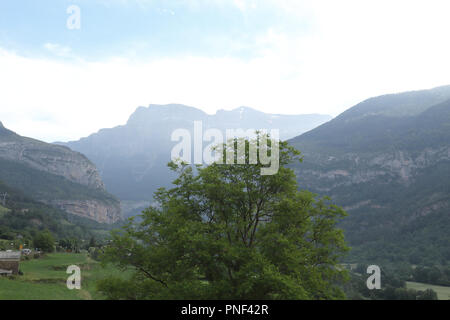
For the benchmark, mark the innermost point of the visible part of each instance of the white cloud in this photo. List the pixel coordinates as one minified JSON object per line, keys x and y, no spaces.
{"x":58,"y":50}
{"x":356,"y":49}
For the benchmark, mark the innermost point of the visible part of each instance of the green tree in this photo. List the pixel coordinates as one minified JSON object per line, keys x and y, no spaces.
{"x":44,"y":241}
{"x":428,"y":294}
{"x":92,"y":242}
{"x":228,"y":232}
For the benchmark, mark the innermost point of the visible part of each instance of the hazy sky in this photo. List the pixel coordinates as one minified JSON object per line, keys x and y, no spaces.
{"x":278,"y":56}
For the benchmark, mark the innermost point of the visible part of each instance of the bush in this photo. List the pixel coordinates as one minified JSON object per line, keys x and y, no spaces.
{"x":44,"y":241}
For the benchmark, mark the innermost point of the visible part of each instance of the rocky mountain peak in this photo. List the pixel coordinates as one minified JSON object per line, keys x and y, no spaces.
{"x":143,"y":116}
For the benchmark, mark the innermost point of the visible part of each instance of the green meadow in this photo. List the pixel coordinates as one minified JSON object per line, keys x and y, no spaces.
{"x":442,"y":292}
{"x":3,"y":210}
{"x":45,"y":278}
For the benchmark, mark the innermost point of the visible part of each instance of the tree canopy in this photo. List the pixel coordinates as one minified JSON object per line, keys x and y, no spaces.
{"x":44,"y":241}
{"x":228,"y":232}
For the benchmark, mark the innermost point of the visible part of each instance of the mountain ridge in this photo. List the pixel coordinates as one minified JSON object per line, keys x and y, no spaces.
{"x":390,"y":172}
{"x":132,"y":158}
{"x":55,"y":175}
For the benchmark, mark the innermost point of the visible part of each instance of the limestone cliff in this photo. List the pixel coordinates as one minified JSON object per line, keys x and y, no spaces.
{"x":398,"y":166}
{"x":91,"y":209}
{"x":56,"y":175}
{"x":54,"y":159}
{"x":386,"y":161}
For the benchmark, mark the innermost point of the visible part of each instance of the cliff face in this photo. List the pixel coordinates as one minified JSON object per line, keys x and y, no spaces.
{"x":54,"y":159}
{"x":386,"y":161}
{"x":400,"y":166}
{"x":91,"y":209}
{"x":56,"y":175}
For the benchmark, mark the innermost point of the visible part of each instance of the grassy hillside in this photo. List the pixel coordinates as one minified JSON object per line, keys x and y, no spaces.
{"x":373,"y":132}
{"x":442,"y":292}
{"x":3,"y":210}
{"x":45,"y":279}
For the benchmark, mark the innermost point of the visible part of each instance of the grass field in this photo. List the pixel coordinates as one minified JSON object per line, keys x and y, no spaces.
{"x":3,"y":210}
{"x":442,"y":292}
{"x":45,"y":279}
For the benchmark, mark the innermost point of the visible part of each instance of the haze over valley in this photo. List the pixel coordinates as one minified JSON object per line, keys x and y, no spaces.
{"x":219,"y":151}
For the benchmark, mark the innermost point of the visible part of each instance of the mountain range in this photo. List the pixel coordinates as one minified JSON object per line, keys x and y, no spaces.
{"x":132,"y":158}
{"x":386,"y":161}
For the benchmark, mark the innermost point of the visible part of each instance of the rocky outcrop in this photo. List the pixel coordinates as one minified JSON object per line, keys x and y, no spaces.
{"x":400,"y":166}
{"x":58,"y":160}
{"x":91,"y":209}
{"x":386,"y":161}
{"x":81,"y":191}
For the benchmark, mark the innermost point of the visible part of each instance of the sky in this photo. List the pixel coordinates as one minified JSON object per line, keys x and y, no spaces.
{"x":70,"y":68}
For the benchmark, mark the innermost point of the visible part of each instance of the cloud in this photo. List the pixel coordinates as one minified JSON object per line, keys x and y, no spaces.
{"x":59,"y":50}
{"x":353,"y":50}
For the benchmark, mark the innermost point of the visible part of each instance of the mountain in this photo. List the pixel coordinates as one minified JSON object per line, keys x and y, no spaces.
{"x":55,"y":175}
{"x":132,"y":159}
{"x":24,"y":216}
{"x":387,"y":162}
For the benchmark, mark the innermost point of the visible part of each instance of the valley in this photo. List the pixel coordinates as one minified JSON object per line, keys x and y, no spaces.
{"x":385,"y":161}
{"x":216,"y":156}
